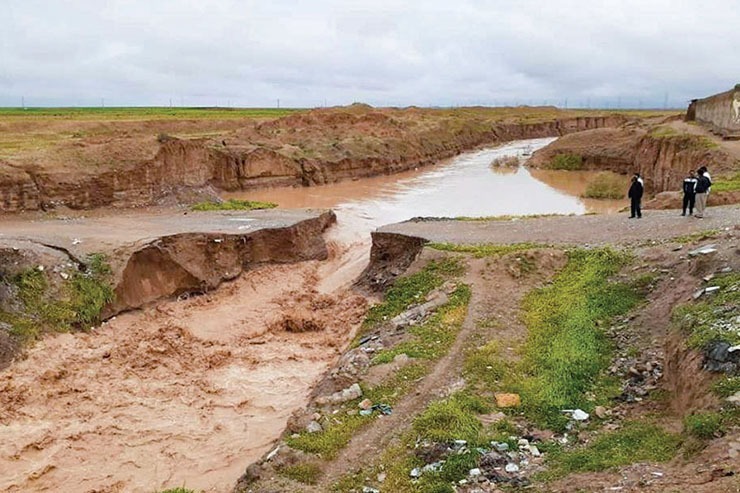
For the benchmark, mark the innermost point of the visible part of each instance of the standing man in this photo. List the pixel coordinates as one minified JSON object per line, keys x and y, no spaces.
{"x":706,"y":174}
{"x":702,"y":188}
{"x":689,"y":193}
{"x":635,"y":196}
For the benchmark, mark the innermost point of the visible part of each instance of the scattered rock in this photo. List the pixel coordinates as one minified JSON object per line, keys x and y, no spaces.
{"x":705,"y":250}
{"x":577,"y":414}
{"x":314,"y":427}
{"x":600,"y":412}
{"x":365,"y":404}
{"x":350,"y":393}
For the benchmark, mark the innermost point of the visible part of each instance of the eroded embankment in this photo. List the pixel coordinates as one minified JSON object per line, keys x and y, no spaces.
{"x":312,"y":148}
{"x":185,"y":392}
{"x":662,"y":154}
{"x":520,"y":365}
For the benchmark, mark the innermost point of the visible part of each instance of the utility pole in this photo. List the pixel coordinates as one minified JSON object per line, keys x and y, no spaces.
{"x":23,"y":102}
{"x":278,"y":103}
{"x":102,"y":102}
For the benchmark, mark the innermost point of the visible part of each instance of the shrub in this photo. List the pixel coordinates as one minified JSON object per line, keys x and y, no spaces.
{"x":703,"y":425}
{"x":568,"y":162}
{"x":606,"y":185}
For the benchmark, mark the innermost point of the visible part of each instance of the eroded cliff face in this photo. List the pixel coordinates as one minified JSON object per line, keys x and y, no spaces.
{"x":303,"y":149}
{"x":663,"y":160}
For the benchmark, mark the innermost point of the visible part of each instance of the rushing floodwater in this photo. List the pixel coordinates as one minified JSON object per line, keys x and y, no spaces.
{"x":463,"y":186}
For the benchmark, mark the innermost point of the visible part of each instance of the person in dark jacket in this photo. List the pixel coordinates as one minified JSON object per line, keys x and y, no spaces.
{"x":689,"y":193}
{"x":702,"y":189}
{"x":635,"y":196}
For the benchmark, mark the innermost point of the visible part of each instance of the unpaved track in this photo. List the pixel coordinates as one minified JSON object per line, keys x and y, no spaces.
{"x":493,"y":314}
{"x":189,"y":392}
{"x":582,"y":230}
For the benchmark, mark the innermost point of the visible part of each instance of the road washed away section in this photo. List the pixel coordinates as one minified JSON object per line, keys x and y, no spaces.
{"x":187,"y":391}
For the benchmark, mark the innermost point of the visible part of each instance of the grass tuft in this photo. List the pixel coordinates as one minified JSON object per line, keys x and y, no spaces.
{"x":568,"y":162}
{"x":304,"y":472}
{"x":606,"y":185}
{"x":485,"y":250}
{"x":412,"y":289}
{"x":634,"y":442}
{"x":233,"y":205}
{"x":703,"y":425}
{"x":727,"y":184}
{"x":714,"y":319}
{"x":454,"y":418}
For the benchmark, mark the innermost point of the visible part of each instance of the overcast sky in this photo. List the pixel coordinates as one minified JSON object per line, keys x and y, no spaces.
{"x":386,"y":53}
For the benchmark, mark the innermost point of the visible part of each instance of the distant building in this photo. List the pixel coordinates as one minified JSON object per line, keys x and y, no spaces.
{"x":720,"y":113}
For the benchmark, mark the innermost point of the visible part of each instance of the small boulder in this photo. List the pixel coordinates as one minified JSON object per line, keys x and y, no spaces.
{"x":314,"y":427}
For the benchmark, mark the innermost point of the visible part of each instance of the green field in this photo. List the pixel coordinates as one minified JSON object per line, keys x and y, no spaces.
{"x":142,"y":113}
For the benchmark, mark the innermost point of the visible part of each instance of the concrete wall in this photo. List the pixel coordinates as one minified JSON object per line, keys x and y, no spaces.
{"x":721,"y":113}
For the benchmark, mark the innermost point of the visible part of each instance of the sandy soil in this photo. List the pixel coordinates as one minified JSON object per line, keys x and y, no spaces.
{"x":189,"y":392}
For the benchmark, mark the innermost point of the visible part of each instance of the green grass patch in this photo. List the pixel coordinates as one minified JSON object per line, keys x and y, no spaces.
{"x":304,"y":472}
{"x":485,"y":250}
{"x":726,"y":386}
{"x":433,"y":338}
{"x":606,"y":185}
{"x":454,"y":418}
{"x":634,"y":442}
{"x":662,"y":132}
{"x":483,"y":366}
{"x":411,"y":289}
{"x":142,"y":113}
{"x":713,"y":319}
{"x":727,"y":184}
{"x":568,"y":162}
{"x":703,"y":425}
{"x":566,"y":350}
{"x":233,"y":205}
{"x":697,"y":236}
{"x":179,"y":489}
{"x":337,"y":434}
{"x":75,"y":304}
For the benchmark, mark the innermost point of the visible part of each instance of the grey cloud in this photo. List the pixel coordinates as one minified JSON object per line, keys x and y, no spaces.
{"x":382,"y":52}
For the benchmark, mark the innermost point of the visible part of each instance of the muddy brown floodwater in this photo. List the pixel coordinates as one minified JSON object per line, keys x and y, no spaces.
{"x":191,"y":391}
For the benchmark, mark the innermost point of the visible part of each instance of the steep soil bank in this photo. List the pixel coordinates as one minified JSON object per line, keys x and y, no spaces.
{"x":661,"y":154}
{"x":43,"y":264}
{"x":303,"y":149}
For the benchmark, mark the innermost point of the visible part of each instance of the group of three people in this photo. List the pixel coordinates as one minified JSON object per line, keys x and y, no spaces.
{"x":695,"y":191}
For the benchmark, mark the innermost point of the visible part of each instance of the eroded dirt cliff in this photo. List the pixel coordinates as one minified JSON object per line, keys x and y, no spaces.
{"x":127,"y":167}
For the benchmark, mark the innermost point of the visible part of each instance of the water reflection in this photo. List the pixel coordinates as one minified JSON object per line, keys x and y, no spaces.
{"x":464,"y":186}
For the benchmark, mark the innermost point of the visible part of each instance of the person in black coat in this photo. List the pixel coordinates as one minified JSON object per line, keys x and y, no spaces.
{"x":689,"y":193}
{"x":702,"y":189}
{"x":635,"y":196}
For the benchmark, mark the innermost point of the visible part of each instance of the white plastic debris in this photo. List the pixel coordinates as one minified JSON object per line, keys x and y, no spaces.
{"x":474,"y":472}
{"x":706,"y":249}
{"x":577,"y":414}
{"x":711,"y":289}
{"x":272,"y":454}
{"x":415,"y":473}
{"x":511,"y":467}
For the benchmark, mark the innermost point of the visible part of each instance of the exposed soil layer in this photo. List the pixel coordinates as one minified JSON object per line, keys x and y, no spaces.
{"x":663,"y":154}
{"x":127,"y":167}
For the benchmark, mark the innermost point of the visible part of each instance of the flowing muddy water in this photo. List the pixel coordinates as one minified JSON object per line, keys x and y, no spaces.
{"x":462,"y":186}
{"x":191,"y":391}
